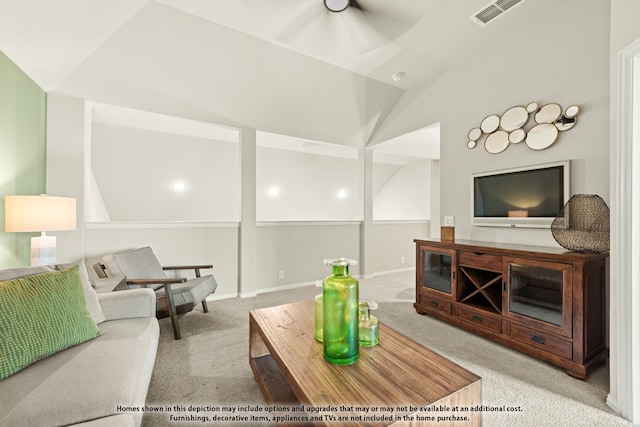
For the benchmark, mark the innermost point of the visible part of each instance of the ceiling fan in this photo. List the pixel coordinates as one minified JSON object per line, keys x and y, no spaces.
{"x":358,"y":25}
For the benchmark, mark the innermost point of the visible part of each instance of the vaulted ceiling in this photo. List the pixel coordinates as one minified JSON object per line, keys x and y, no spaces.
{"x":284,"y":66}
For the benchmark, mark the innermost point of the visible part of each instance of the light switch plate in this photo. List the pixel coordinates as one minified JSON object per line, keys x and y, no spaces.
{"x":448,"y":221}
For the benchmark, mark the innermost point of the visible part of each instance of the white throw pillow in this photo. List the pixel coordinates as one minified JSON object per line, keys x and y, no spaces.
{"x":90,"y":295}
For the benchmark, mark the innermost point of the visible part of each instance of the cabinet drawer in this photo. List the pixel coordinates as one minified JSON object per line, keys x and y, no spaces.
{"x":479,"y":318}
{"x":436,"y":303}
{"x":541,"y":339}
{"x":480,"y":260}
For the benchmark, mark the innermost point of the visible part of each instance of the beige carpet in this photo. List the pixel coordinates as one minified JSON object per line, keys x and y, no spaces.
{"x":209,"y":366}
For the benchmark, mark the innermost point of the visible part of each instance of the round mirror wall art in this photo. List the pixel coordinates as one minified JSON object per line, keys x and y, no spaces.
{"x":497,"y":142}
{"x":572,"y":111}
{"x":548,"y":113}
{"x":474,"y":134}
{"x":532,"y":107}
{"x":541,"y":136}
{"x":509,"y":129}
{"x":514,"y":118}
{"x":517,"y":136}
{"x":565,"y":123}
{"x":490,"y":124}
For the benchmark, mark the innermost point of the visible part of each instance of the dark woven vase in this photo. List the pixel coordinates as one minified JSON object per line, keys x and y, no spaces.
{"x":583,"y":224}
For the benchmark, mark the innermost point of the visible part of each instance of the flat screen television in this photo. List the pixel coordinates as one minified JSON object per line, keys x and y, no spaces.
{"x":528,"y":196}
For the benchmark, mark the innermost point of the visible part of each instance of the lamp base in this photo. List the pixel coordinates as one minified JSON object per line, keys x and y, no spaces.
{"x":43,"y":250}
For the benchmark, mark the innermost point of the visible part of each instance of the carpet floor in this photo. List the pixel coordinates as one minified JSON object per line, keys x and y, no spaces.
{"x":209,"y":365}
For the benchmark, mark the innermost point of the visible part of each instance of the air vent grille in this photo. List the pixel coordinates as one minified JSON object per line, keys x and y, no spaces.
{"x":493,"y":10}
{"x":507,"y":4}
{"x":488,"y":14}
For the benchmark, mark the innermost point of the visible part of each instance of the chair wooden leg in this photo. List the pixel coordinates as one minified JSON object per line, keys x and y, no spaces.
{"x":172,"y":312}
{"x":204,"y":306}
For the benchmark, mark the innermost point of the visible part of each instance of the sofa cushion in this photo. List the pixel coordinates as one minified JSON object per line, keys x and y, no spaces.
{"x":41,"y":315}
{"x":96,"y":379}
{"x":90,"y":295}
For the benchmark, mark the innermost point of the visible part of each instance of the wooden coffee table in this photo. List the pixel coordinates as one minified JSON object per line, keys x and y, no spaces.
{"x":398,"y":374}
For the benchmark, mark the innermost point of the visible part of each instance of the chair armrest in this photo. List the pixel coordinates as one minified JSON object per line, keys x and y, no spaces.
{"x":195,"y":268}
{"x":187,"y":267}
{"x":128,"y":304}
{"x":145,"y":282}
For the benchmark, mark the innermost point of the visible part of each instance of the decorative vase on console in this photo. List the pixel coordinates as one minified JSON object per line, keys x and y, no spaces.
{"x":340,"y":313}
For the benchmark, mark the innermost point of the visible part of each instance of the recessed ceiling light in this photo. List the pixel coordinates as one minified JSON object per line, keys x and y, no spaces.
{"x":179,"y":186}
{"x":274,"y":191}
{"x":396,"y":77}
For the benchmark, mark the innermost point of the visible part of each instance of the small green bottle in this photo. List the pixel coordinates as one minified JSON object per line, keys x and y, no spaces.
{"x":340,"y":314}
{"x":318,"y":311}
{"x":368,"y":325}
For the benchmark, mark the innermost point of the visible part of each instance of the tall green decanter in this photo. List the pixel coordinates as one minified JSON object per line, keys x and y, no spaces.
{"x":340,"y":314}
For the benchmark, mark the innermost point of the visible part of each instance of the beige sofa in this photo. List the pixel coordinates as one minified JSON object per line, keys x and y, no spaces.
{"x":101,"y":382}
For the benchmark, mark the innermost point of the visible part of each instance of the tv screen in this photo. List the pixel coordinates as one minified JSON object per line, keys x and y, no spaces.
{"x":524,"y":196}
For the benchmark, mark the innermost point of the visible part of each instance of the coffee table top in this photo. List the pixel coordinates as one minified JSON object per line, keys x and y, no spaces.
{"x":397,"y":372}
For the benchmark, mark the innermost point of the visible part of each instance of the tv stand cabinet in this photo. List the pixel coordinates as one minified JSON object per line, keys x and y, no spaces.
{"x":545,"y":302}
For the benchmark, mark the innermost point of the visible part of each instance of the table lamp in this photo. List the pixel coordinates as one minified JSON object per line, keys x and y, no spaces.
{"x":40,"y":213}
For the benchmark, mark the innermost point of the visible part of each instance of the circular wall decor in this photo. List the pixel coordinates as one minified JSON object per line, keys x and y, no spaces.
{"x":541,"y":136}
{"x":565,"y":123}
{"x":548,"y":113}
{"x":490,"y":123}
{"x":509,"y":128}
{"x":474,"y":134}
{"x":514,"y":118}
{"x":517,"y":136}
{"x":497,"y":142}
{"x":572,"y":111}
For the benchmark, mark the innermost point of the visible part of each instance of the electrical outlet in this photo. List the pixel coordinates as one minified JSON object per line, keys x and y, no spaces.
{"x":448,"y":221}
{"x":401,"y":260}
{"x":280,"y":274}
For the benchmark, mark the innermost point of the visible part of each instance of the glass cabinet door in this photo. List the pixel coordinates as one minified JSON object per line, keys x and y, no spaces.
{"x":540,"y":291}
{"x":437,"y":271}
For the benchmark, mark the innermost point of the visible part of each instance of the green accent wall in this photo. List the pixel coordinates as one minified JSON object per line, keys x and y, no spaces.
{"x":22,"y":152}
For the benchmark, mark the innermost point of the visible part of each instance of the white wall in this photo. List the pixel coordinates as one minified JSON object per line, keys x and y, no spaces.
{"x":406,"y":195}
{"x":298,"y":250}
{"x":308,"y":186}
{"x":135,"y":170}
{"x":393,"y":246}
{"x":561,"y":57}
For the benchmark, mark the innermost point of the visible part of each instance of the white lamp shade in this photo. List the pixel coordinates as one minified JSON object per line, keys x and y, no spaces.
{"x":39,"y":213}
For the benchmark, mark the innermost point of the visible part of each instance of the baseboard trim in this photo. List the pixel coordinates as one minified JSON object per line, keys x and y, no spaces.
{"x":316,"y":283}
{"x":387,"y":272}
{"x":288,"y":287}
{"x":218,"y":297}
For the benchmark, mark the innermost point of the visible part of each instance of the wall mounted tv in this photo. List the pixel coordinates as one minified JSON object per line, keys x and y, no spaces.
{"x":528,"y":196}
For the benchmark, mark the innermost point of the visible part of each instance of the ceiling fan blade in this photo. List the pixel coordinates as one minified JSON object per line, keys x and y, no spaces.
{"x":362,"y":35}
{"x":391,"y":18}
{"x":299,"y":22}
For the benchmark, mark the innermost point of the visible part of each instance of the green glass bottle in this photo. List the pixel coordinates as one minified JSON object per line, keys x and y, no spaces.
{"x":340,"y":314}
{"x":368,"y":325}
{"x":318,"y":311}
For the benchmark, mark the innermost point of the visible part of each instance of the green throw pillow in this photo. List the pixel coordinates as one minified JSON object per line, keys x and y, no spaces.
{"x":41,"y":315}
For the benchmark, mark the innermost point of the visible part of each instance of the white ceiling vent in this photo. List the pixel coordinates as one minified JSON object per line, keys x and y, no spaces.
{"x":493,"y":10}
